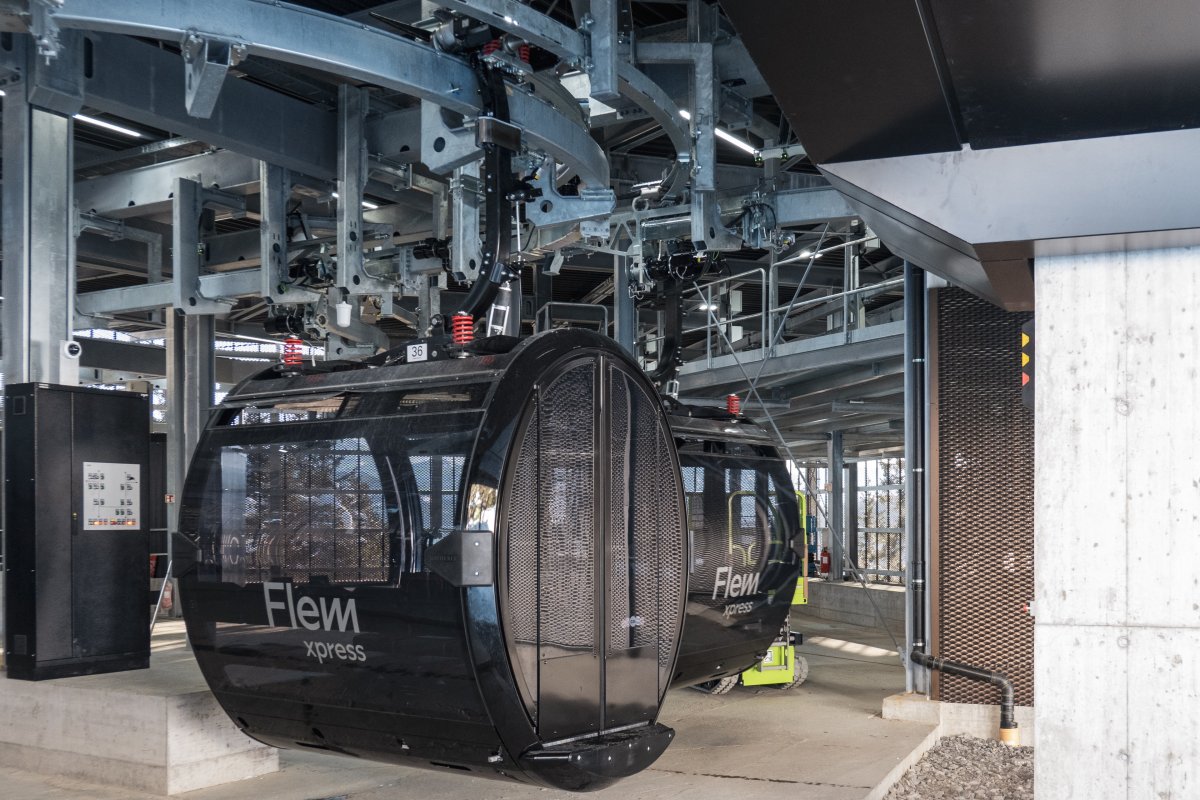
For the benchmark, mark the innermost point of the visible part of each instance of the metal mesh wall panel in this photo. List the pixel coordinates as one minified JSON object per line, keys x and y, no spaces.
{"x":984,"y":536}
{"x":567,"y":514}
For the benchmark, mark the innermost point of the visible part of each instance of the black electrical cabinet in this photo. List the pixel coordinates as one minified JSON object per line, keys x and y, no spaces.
{"x":76,"y":464}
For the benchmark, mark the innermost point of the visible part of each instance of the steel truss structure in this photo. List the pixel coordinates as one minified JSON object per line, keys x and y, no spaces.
{"x":331,"y":177}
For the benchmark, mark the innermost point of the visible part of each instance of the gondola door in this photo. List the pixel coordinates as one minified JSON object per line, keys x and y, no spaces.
{"x":591,"y":583}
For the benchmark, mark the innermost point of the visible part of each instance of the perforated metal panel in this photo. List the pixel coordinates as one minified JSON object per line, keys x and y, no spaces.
{"x":567,"y":461}
{"x":662,"y":484}
{"x":522,"y":562}
{"x":984,"y":537}
{"x":594,"y":561}
{"x":646,"y":562}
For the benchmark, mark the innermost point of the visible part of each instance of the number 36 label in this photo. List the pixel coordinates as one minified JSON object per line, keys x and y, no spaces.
{"x":418,"y":352}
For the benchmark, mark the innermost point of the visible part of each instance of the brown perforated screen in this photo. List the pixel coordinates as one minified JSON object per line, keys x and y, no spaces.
{"x":983,"y":539}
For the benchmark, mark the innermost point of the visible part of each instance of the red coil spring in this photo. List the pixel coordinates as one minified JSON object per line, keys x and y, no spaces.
{"x":733,"y":404}
{"x":523,"y":52}
{"x":491,"y":47}
{"x":293,"y":351}
{"x":462,"y":328}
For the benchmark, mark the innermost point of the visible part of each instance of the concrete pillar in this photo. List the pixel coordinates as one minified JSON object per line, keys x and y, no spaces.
{"x":1117,"y":643}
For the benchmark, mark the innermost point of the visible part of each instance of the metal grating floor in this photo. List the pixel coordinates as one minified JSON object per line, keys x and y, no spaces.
{"x":984,"y":540}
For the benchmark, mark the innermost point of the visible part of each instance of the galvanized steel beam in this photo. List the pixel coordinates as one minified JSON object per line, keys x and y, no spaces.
{"x":149,"y":189}
{"x":39,"y":242}
{"x":142,"y":83}
{"x":345,"y":48}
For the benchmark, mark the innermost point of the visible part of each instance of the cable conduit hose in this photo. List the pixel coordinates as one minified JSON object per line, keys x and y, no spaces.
{"x":498,"y":180}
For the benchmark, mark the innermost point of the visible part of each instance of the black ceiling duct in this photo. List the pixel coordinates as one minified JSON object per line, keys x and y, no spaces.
{"x":743,"y":518}
{"x":472,"y":562}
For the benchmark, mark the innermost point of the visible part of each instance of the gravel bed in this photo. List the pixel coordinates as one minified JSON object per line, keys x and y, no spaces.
{"x":966,"y":768}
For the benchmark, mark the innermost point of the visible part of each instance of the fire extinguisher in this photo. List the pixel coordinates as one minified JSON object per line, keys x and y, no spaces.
{"x":825,"y":561}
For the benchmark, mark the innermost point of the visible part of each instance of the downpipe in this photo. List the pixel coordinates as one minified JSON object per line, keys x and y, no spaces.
{"x":1009,"y":734}
{"x":914,"y":315}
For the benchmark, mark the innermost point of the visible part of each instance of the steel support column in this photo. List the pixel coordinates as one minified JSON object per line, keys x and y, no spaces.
{"x":837,"y":507}
{"x":191,"y":379}
{"x":352,"y":181}
{"x":625,"y":322}
{"x":604,"y":38}
{"x":39,"y":242}
{"x":851,"y":489}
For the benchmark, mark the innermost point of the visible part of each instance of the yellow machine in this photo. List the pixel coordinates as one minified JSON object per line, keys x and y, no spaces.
{"x":781,"y":666}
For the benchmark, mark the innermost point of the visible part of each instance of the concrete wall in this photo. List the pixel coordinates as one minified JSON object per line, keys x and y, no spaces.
{"x":850,"y":603}
{"x":1118,"y":525}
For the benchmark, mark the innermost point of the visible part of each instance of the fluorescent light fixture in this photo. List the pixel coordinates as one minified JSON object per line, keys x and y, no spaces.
{"x":369,"y":206}
{"x":806,"y":253}
{"x":99,"y":123}
{"x":721,"y":133}
{"x":740,"y":144}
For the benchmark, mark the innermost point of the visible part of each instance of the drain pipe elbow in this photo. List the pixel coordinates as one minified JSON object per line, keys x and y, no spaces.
{"x":1009,"y":733}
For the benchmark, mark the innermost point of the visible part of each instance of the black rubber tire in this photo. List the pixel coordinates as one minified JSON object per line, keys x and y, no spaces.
{"x":719,"y":686}
{"x":799,"y":673}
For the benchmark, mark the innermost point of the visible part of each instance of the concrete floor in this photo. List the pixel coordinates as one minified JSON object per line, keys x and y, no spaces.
{"x":824,"y":740}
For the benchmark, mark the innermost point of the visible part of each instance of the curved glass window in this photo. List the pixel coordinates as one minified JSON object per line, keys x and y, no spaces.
{"x":329,"y":491}
{"x":742,"y":510}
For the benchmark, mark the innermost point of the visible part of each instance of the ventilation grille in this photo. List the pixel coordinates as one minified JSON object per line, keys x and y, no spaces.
{"x":985,"y":498}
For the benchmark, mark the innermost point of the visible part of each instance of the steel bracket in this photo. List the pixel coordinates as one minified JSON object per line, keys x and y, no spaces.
{"x":57,"y":84}
{"x":188,"y":247}
{"x":445,"y":146}
{"x":276,"y":189}
{"x":466,"y":253}
{"x":552,"y":208}
{"x":207,"y":62}
{"x":462,"y":558}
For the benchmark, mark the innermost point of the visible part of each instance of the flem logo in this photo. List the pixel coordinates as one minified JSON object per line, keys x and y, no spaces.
{"x":313,"y":614}
{"x":730,"y":585}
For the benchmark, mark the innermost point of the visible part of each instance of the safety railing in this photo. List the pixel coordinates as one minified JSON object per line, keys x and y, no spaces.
{"x":773,"y":318}
{"x":710,"y":303}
